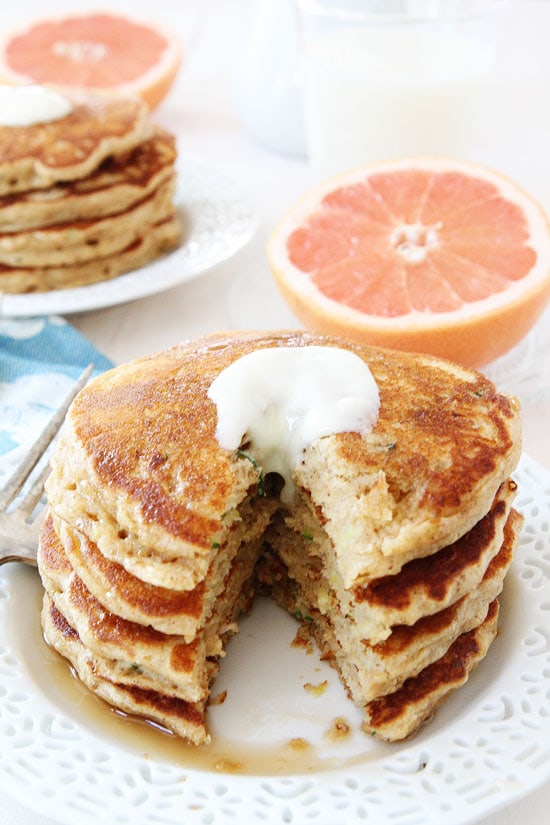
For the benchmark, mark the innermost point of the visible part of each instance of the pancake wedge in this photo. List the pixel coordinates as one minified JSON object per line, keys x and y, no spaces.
{"x":137,"y":654}
{"x":371,"y":670}
{"x":422,"y":587}
{"x":398,"y":715}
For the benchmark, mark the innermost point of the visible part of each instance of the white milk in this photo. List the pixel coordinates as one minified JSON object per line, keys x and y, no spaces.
{"x":378,"y":94}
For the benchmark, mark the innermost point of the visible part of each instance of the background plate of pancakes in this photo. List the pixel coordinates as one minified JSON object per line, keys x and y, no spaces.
{"x":218,"y":221}
{"x":63,"y":753}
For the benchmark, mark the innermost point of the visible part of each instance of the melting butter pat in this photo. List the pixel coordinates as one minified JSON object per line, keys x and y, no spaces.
{"x":281,"y":399}
{"x":30,"y":104}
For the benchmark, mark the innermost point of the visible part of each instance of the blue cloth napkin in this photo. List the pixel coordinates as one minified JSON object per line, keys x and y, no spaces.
{"x":40,"y":358}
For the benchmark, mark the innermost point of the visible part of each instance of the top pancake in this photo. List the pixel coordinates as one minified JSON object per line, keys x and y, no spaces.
{"x":37,"y":156}
{"x":428,"y":471}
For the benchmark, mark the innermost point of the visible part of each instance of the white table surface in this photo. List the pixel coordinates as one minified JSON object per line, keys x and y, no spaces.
{"x":201,"y":111}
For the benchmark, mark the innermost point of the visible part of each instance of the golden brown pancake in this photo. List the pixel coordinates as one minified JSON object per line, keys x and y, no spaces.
{"x":85,"y":198}
{"x":137,"y":654}
{"x":152,"y":514}
{"x":396,"y":716}
{"x":170,"y":611}
{"x":118,"y":183}
{"x":428,"y":471}
{"x":182,"y":611}
{"x":156,"y":240}
{"x":183,"y":718}
{"x":37,"y":156}
{"x":78,"y":241}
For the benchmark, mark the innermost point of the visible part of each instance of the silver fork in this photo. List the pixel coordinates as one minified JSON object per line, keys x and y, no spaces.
{"x":19,"y":527}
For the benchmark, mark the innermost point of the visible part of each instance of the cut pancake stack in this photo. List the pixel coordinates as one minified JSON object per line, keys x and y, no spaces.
{"x":85,"y":198}
{"x":392,"y":552}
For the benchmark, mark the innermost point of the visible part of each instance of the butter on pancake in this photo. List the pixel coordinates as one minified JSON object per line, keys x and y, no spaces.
{"x":86,"y":194}
{"x":68,"y":148}
{"x":393,"y":539}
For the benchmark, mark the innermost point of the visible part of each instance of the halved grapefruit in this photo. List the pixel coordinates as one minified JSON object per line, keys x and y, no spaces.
{"x":426,"y":254}
{"x":101,"y":53}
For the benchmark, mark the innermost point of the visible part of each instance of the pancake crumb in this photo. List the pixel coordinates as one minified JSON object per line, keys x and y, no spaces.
{"x":316,"y":690}
{"x":219,"y":699}
{"x":298,"y":744}
{"x":228,"y":766}
{"x":339,"y":729}
{"x":302,"y":639}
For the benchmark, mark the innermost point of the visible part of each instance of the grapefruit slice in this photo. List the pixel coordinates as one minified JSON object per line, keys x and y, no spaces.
{"x":101,"y":53}
{"x":430,"y":255}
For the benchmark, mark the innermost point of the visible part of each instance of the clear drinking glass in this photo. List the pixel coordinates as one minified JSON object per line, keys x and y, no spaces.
{"x":394,"y":78}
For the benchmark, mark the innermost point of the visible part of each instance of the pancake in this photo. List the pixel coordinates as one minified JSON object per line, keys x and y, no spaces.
{"x":422,"y":587}
{"x":428,"y":471}
{"x":372,"y":670}
{"x":186,"y":719}
{"x":82,"y":240}
{"x":155,"y":240}
{"x":43,"y":154}
{"x":118,"y":183}
{"x":394,"y":543}
{"x":396,"y":716}
{"x":137,"y":654}
{"x":85,"y":198}
{"x":183,"y":611}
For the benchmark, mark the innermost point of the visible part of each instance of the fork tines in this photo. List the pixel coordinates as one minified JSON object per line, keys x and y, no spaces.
{"x":17,"y":480}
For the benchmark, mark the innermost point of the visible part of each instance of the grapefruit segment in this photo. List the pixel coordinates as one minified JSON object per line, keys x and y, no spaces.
{"x":452,"y":194}
{"x":367,"y":283}
{"x":432,"y":255}
{"x":403,"y":197}
{"x":331,"y":237}
{"x":428,"y":291}
{"x":470,"y":280}
{"x":360,"y":199}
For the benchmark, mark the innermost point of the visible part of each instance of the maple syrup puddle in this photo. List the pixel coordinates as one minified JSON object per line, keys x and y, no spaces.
{"x":144,"y":738}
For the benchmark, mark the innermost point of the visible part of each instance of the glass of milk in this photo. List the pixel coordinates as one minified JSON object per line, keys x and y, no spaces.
{"x":385,"y":79}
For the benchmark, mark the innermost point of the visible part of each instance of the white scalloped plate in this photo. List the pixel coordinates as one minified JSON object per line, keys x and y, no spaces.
{"x":487,"y":746}
{"x":219,"y":221}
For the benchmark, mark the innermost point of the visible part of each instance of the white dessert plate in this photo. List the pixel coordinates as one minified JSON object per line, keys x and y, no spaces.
{"x":279,"y":754}
{"x":219,"y":221}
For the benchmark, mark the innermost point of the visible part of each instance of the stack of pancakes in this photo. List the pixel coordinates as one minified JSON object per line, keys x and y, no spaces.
{"x":392,"y":552}
{"x":85,"y":198}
